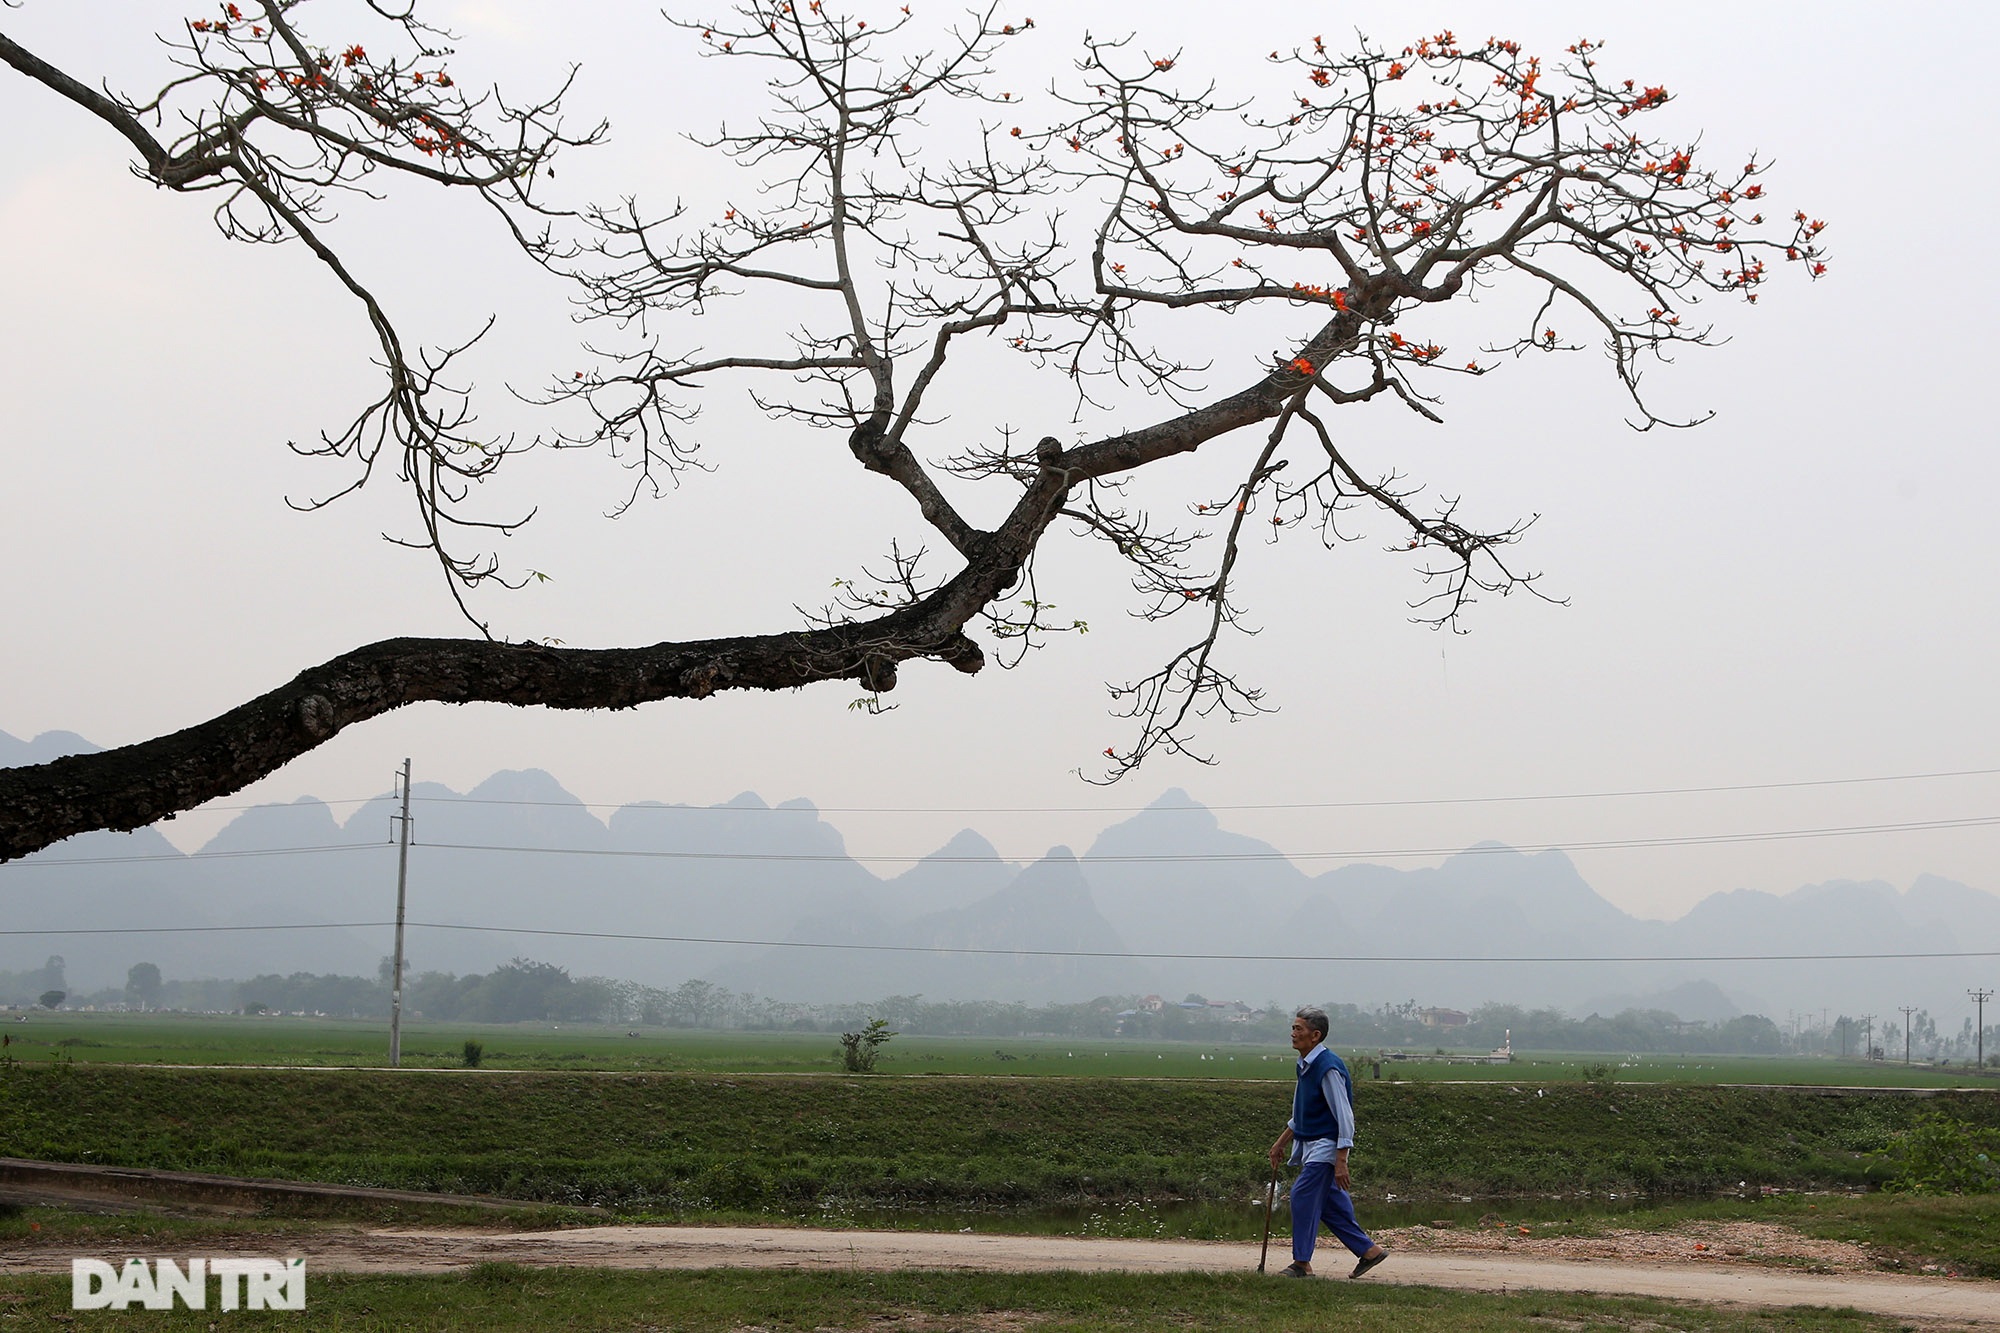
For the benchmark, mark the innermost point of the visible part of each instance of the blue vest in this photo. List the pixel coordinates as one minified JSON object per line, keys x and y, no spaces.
{"x":1312,"y":1118}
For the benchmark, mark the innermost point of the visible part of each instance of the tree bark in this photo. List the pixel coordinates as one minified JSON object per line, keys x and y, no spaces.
{"x":135,"y":785}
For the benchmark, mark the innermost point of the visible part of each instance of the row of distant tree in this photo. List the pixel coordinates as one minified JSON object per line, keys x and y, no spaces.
{"x":519,"y":991}
{"x":46,"y":985}
{"x":1657,"y":1031}
{"x":523,"y":990}
{"x":1353,"y":1026}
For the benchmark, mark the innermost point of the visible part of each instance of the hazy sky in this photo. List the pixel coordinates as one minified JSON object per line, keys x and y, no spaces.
{"x":1797,"y":592}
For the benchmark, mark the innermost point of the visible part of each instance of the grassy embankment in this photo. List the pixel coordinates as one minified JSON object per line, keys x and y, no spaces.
{"x":499,"y":1298}
{"x":679,"y":1145}
{"x":1089,"y":1156}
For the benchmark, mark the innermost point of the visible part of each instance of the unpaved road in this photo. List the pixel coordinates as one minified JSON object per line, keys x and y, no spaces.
{"x":1706,"y":1275}
{"x":1740,"y":1263}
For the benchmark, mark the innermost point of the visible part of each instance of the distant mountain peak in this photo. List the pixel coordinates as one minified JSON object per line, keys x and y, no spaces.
{"x":967,"y":845}
{"x":964,"y":870}
{"x":50,"y":745}
{"x":1938,"y":889}
{"x":1490,"y":851}
{"x":1496,"y":854}
{"x":523,"y":784}
{"x":1851,"y":892}
{"x":1174,"y":809}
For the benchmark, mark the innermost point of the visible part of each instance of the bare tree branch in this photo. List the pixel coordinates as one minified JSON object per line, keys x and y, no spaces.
{"x":916,"y":238}
{"x":273,"y":123}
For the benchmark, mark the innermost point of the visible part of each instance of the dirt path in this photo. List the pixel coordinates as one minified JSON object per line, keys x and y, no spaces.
{"x":1740,"y":1263}
{"x":1700,"y":1275}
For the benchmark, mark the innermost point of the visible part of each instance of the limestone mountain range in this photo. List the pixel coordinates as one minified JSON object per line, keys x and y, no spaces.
{"x":752,"y":896}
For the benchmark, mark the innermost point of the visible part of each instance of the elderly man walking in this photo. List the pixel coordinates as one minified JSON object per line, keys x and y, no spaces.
{"x":1318,"y":1136}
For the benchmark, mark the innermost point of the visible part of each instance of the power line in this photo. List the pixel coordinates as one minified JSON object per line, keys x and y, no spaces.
{"x":1209,"y":957}
{"x":1294,"y":805}
{"x":1130,"y":809}
{"x":200,"y":930}
{"x":1140,"y":955}
{"x":1203,"y":858}
{"x":1161,"y":858}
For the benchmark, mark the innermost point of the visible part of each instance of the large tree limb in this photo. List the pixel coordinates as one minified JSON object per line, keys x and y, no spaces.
{"x":135,"y":785}
{"x":161,"y":165}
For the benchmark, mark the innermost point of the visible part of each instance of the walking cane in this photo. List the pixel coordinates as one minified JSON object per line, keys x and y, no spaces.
{"x":1270,"y":1202}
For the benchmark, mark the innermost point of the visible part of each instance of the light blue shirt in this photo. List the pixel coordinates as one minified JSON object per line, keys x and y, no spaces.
{"x":1335,"y":1088}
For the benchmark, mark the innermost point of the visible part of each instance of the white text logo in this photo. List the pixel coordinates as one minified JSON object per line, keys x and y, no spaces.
{"x":247,"y":1284}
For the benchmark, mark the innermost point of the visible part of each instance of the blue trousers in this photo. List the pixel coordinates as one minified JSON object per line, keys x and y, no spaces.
{"x":1316,"y":1199}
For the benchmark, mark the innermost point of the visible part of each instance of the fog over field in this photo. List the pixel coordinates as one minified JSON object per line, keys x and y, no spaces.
{"x":595,"y":890}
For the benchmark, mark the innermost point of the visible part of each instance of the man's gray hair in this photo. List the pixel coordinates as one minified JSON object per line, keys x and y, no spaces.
{"x":1315,"y":1018}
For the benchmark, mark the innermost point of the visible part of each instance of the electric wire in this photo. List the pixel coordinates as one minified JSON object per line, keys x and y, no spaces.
{"x":1134,"y":809}
{"x":984,"y":951}
{"x":1205,"y":858}
{"x":1292,"y":805}
{"x":1088,"y":858}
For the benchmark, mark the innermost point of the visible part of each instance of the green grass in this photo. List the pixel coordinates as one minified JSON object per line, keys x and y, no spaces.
{"x":1960,"y":1235}
{"x":1717,"y":1069}
{"x":91,"y":1233}
{"x":502,"y":1298}
{"x":674,"y":1145}
{"x":228,"y":1039}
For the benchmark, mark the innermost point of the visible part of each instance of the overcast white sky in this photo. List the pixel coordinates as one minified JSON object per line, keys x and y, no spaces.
{"x":1798,"y":591}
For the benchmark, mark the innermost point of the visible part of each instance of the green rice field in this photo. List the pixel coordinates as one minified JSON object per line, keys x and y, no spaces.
{"x":226,"y":1039}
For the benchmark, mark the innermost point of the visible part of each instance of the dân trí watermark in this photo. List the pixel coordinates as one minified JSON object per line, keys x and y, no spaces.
{"x":243,"y":1284}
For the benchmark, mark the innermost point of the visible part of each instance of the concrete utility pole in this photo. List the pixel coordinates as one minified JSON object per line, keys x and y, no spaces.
{"x":1980,"y":997}
{"x":1907,"y":1010}
{"x":1868,"y":1036}
{"x":402,"y":896}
